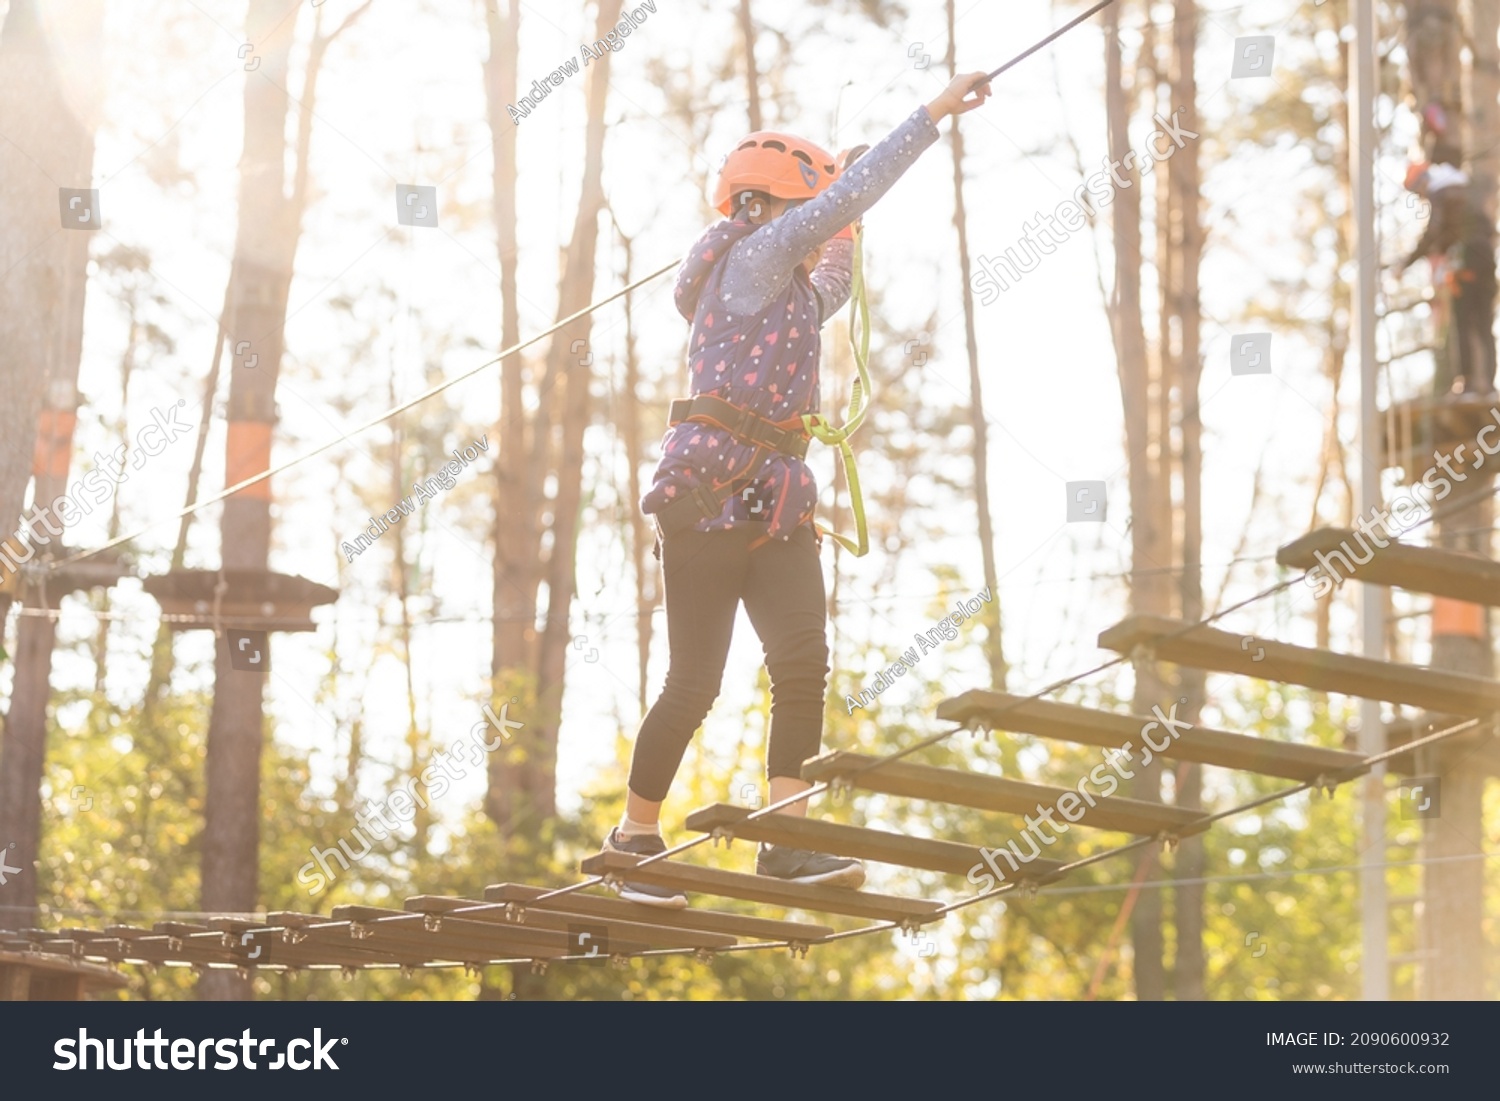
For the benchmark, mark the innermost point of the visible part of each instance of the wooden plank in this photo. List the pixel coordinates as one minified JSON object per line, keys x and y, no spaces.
{"x":83,"y":935}
{"x":620,"y":932}
{"x":760,"y":888}
{"x":479,"y":933}
{"x":64,"y":965}
{"x":709,"y":921}
{"x":15,"y":979}
{"x":413,"y":946}
{"x":212,"y":947}
{"x":331,"y":945}
{"x":178,"y":928}
{"x":1363,"y":678}
{"x":324,"y":931}
{"x":1086,"y":726}
{"x":973,"y":789}
{"x":293,"y":919}
{"x":880,"y":846}
{"x":276,"y":952}
{"x":161,"y":949}
{"x":279,"y":952}
{"x":1453,"y":574}
{"x":98,"y":947}
{"x":47,"y":940}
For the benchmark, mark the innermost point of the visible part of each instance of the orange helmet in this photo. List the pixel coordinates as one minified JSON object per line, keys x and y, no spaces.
{"x":781,"y":165}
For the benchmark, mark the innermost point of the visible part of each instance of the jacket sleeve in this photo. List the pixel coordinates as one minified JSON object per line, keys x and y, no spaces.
{"x":760,"y":265}
{"x":833,"y":278}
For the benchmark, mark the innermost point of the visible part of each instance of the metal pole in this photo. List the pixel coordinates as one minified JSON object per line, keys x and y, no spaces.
{"x":1374,"y":912}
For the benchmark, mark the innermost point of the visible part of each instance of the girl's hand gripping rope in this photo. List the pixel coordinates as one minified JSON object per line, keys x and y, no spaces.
{"x":964,"y":93}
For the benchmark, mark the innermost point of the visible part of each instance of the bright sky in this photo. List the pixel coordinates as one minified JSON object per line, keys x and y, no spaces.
{"x":401,"y":102}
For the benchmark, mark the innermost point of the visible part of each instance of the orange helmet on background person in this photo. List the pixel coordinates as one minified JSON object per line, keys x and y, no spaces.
{"x":780,"y":165}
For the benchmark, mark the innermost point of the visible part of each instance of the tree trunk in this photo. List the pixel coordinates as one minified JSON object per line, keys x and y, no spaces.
{"x":1149,"y":539}
{"x":517,"y":538}
{"x":1484,"y":100}
{"x":24,"y":749}
{"x":642,"y":533}
{"x":994,"y":645}
{"x":259,"y":283}
{"x":570,"y":362}
{"x":752,"y":74}
{"x":49,"y":146}
{"x":1453,"y":885}
{"x":270,"y":222}
{"x":39,"y":360}
{"x":416,"y":738}
{"x":1187,"y":247}
{"x":160,"y":674}
{"x":1433,"y":38}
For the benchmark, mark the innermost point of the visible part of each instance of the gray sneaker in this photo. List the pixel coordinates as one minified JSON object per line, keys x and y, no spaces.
{"x":802,"y":866}
{"x":648,"y":894}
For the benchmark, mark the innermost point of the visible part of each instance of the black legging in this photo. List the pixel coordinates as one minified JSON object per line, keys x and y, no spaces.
{"x":1474,"y":319}
{"x":708,"y":574}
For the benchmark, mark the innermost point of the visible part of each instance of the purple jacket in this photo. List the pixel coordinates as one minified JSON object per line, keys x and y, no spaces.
{"x":755,"y":339}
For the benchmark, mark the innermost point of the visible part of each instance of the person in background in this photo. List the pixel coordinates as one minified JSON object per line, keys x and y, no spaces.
{"x":1459,"y":227}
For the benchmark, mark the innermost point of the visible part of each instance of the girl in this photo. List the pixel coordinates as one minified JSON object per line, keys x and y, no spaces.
{"x":732,"y":498}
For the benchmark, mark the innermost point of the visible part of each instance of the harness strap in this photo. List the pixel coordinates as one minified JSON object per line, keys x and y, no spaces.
{"x":789,"y":437}
{"x":703,"y":502}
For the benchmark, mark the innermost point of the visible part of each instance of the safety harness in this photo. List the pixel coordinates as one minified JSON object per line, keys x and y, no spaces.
{"x":789,"y":437}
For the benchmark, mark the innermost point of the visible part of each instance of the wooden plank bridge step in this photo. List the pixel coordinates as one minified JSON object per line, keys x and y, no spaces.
{"x":708,"y":921}
{"x":620,"y":932}
{"x":271,"y":951}
{"x":1432,"y":570}
{"x":879,"y":846}
{"x":320,"y":935}
{"x":180,"y":943}
{"x":994,"y":793}
{"x":1365,"y":678}
{"x":459,"y":934}
{"x":323,"y":935}
{"x":760,"y":888}
{"x":1086,"y":726}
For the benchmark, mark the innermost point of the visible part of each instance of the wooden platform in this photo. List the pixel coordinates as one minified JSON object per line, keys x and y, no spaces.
{"x":1110,"y":730}
{"x":695,"y":878}
{"x":879,"y":846}
{"x":1364,"y":678}
{"x":254,"y":600}
{"x":40,"y":584}
{"x":993,"y":793}
{"x":1410,"y":431}
{"x":1447,"y":573}
{"x":32,"y":973}
{"x":709,"y":921}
